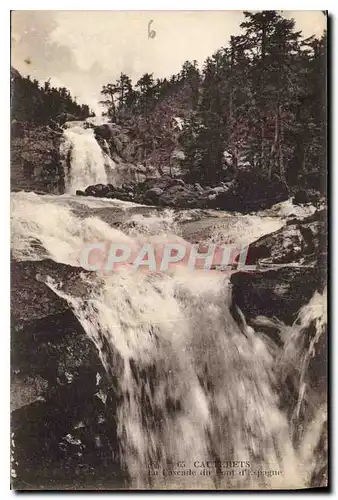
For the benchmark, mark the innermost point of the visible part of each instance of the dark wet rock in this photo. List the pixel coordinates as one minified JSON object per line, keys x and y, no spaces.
{"x":302,"y":242}
{"x":118,"y":140}
{"x":107,"y":131}
{"x":163,"y":183}
{"x":175,"y":196}
{"x":276,"y":293}
{"x":153,"y":195}
{"x":165,"y":190}
{"x":98,"y":190}
{"x":276,"y":303}
{"x":64,"y":404}
{"x":129,"y":186}
{"x":35,"y":159}
{"x":111,"y":195}
{"x":242,"y":194}
{"x":306,"y":196}
{"x":301,"y":197}
{"x":32,"y":300}
{"x":65,"y":431}
{"x":280,"y":292}
{"x":67,"y":442}
{"x":80,"y":193}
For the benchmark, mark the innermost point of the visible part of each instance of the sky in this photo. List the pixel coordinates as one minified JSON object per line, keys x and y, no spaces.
{"x":83,"y":50}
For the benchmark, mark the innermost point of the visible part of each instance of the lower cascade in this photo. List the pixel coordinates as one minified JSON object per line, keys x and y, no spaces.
{"x":192,"y":385}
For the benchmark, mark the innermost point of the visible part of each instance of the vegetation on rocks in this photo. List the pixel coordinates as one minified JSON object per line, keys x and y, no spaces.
{"x":256,"y":109}
{"x":37,"y":111}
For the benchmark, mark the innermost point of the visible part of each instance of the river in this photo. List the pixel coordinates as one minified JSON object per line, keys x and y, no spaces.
{"x":195,"y":385}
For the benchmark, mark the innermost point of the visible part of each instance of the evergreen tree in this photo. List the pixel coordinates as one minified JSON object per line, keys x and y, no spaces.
{"x":108,"y":91}
{"x":37,"y":104}
{"x":257,"y":107}
{"x":145,"y":86}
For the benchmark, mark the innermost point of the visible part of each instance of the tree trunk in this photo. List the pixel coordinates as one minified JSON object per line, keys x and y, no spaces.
{"x":113,"y":109}
{"x":263,"y":144}
{"x":280,"y":148}
{"x":274,"y":146}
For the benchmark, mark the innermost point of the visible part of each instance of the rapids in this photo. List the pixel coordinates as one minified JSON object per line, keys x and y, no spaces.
{"x":193,"y":384}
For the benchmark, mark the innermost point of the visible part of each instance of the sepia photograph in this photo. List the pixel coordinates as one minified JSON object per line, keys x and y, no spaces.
{"x":168,"y":263}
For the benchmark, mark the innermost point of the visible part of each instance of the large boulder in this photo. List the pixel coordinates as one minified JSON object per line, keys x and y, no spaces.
{"x":301,"y":197}
{"x":107,"y":131}
{"x":303,"y":242}
{"x":112,"y":131}
{"x":178,"y":196}
{"x":276,"y":293}
{"x":153,"y":195}
{"x":63,"y":418}
{"x":98,"y":190}
{"x":306,"y":196}
{"x":291,"y":268}
{"x":288,"y":307}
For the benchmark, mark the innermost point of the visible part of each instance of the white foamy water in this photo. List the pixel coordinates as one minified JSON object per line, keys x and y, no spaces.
{"x":288,"y":209}
{"x":193,"y":384}
{"x":57,"y":227}
{"x":81,"y":151}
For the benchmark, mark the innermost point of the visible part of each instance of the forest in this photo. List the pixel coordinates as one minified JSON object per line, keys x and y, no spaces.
{"x":38,"y":104}
{"x":257,"y":106}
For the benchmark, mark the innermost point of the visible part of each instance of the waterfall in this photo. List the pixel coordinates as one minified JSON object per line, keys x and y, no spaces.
{"x":83,"y":158}
{"x":193,"y":385}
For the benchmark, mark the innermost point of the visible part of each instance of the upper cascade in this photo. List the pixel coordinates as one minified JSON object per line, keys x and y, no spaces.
{"x":83,"y":157}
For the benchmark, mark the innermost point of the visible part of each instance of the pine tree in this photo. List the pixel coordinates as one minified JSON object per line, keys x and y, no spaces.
{"x":109,"y":91}
{"x":145,"y":85}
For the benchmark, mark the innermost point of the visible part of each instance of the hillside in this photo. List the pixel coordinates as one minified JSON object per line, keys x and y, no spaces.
{"x":256,"y":117}
{"x":35,"y":164}
{"x":36,"y":115}
{"x":256,"y":107}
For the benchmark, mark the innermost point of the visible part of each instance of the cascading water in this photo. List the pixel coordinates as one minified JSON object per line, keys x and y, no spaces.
{"x":83,"y":157}
{"x":193,"y":385}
